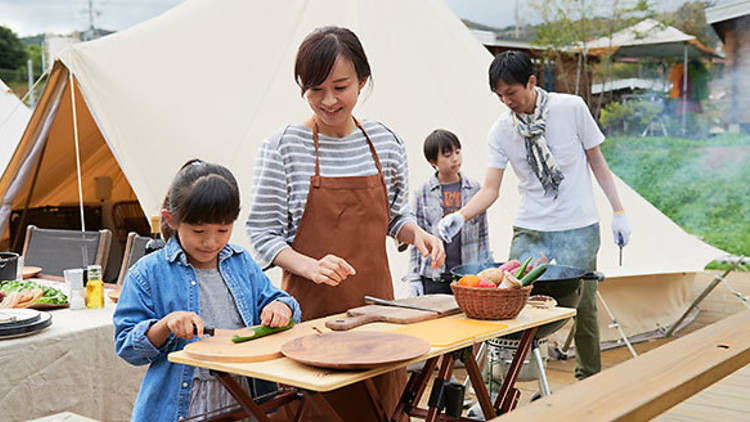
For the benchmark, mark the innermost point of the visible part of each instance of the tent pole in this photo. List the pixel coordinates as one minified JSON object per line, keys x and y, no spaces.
{"x":20,"y":229}
{"x":78,"y":152}
{"x":684,"y":87}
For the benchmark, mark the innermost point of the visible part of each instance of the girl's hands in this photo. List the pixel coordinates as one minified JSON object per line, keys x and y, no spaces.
{"x":181,"y":324}
{"x":275,"y":314}
{"x":330,"y":270}
{"x":428,"y":244}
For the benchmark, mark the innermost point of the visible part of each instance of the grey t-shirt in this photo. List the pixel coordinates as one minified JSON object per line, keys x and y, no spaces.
{"x":451,"y":202}
{"x":217,"y":307}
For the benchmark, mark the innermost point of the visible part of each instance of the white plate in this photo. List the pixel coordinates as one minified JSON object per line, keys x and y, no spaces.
{"x":17,"y":316}
{"x":45,"y":321}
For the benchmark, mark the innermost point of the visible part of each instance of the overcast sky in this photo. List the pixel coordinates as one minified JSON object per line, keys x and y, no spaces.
{"x":30,"y":17}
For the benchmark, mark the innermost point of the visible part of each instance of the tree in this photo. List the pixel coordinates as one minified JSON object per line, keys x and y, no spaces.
{"x":12,"y":50}
{"x":570,"y":24}
{"x":690,"y":18}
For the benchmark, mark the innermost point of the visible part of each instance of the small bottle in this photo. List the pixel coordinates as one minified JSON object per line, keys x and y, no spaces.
{"x":155,"y":243}
{"x":74,"y":279}
{"x":94,"y":287}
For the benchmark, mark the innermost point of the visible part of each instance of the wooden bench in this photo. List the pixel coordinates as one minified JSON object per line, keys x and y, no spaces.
{"x":648,"y":385}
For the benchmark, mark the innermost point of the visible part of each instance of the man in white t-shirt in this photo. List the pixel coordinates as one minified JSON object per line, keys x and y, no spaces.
{"x":551,"y":140}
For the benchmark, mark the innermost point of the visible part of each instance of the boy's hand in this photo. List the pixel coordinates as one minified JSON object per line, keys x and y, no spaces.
{"x":181,"y":324}
{"x":449,"y":226}
{"x":275,"y":314}
{"x":416,"y":288}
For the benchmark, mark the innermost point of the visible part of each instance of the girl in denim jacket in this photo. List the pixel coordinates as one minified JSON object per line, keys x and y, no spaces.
{"x":197,"y":280}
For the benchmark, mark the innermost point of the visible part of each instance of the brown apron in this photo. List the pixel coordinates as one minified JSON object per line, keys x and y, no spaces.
{"x":347,"y":217}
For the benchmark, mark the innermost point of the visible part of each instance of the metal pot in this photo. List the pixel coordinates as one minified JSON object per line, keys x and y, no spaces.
{"x":8,"y":266}
{"x":561,"y":282}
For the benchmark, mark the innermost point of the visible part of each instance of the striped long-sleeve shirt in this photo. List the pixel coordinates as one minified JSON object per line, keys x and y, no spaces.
{"x":285,"y":163}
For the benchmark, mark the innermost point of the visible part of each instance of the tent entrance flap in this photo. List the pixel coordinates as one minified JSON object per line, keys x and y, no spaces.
{"x":58,"y":185}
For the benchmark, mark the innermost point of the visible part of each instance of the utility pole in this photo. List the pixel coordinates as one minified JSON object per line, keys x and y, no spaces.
{"x":32,"y":100}
{"x":517,"y":32}
{"x":91,"y":15}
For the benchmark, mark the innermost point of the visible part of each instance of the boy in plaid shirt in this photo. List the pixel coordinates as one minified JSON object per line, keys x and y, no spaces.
{"x":446,"y":192}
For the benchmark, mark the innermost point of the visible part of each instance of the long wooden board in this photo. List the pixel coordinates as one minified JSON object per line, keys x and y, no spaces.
{"x":445,"y":304}
{"x":646,"y":386}
{"x":219,"y":347}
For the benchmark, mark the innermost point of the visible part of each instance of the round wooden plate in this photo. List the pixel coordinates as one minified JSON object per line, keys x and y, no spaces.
{"x":29,"y":271}
{"x":114,"y":295}
{"x":354,"y":349}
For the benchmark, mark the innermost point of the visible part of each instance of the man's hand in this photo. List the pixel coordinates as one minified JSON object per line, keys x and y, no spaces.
{"x":449,"y":226}
{"x":620,"y":229}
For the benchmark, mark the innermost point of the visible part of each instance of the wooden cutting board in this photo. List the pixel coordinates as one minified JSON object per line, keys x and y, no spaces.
{"x":447,"y":331}
{"x":219,"y":347}
{"x":354,"y":349}
{"x":444,"y":303}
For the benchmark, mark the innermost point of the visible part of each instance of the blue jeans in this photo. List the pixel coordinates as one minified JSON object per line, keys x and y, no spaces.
{"x":576,"y":248}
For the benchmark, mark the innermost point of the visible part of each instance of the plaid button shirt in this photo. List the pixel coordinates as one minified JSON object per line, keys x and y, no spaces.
{"x":429,"y":210}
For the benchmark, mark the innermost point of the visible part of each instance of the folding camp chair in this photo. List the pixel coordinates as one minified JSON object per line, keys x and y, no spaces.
{"x":135,"y":248}
{"x":55,"y":250}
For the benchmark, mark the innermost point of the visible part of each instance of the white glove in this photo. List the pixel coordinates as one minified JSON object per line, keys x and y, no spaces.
{"x":620,"y":229}
{"x":416,"y":288}
{"x":449,"y":226}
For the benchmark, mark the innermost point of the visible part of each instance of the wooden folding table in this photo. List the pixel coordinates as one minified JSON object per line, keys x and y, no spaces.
{"x":305,"y":383}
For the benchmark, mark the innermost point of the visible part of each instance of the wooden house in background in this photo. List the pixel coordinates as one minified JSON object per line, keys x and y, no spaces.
{"x":731,"y":21}
{"x":558,"y":71}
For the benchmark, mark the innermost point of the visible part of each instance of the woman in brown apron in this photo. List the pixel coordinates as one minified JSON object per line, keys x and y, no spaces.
{"x":337,"y":226}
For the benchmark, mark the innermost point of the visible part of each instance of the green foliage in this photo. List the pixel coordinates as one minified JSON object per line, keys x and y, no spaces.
{"x":690,"y":18}
{"x":723,"y":266}
{"x":630,"y":117}
{"x":12,"y":51}
{"x":702,"y":185}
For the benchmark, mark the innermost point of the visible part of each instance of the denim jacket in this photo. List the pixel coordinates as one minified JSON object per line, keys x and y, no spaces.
{"x":429,"y":210}
{"x":164,"y":282}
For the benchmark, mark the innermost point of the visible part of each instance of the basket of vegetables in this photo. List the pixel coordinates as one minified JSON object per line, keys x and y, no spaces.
{"x":496,"y":293}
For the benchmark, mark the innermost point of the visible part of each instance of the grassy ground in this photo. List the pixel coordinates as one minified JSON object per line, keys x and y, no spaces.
{"x":702,"y":185}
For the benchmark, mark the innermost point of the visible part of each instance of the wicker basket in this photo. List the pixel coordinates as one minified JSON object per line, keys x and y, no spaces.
{"x":486,"y":303}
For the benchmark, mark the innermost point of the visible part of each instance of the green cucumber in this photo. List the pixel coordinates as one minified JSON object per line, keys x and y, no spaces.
{"x":533,"y":275}
{"x":262,"y":331}
{"x":522,"y":268}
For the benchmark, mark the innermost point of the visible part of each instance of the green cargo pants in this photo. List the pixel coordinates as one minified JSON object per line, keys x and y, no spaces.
{"x":576,"y":248}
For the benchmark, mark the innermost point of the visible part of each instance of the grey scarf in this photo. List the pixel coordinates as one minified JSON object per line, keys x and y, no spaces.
{"x":531,"y":127}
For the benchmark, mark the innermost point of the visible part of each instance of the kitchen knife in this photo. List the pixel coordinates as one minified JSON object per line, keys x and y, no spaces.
{"x":378,"y":301}
{"x":206,"y":330}
{"x":620,"y":242}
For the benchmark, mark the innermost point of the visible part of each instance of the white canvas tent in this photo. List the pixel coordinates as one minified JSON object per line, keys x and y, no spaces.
{"x":212,"y":79}
{"x":14,"y":115}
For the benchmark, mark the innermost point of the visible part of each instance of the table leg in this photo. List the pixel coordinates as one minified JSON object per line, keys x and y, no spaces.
{"x":444,"y":374}
{"x":414,"y":389}
{"x":508,"y":397}
{"x":247,"y":403}
{"x":475,"y":375}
